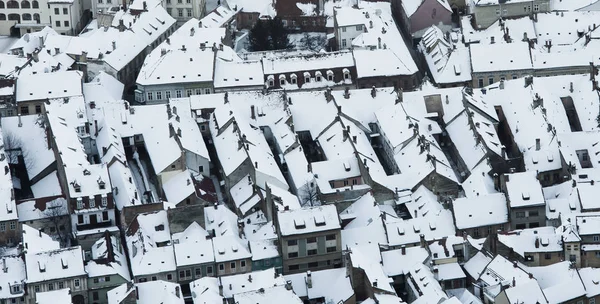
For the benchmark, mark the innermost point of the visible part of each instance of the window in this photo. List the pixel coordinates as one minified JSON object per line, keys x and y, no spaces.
{"x":480,"y":82}
{"x":534,"y":213}
{"x":168,"y":94}
{"x":491,"y":80}
{"x":307,"y":78}
{"x":221,"y":267}
{"x":178,"y":93}
{"x":232,"y":266}
{"x":207,"y":91}
{"x":158,"y":95}
{"x":188,"y":92}
{"x":79,"y":203}
{"x":169,"y":10}
{"x":271,"y":83}
{"x":497,"y":12}
{"x":104,"y":201}
{"x":154,"y":278}
{"x":76,"y":283}
{"x":330,"y":77}
{"x":292,"y":255}
{"x":105,"y":216}
{"x":61,"y":285}
{"x":343,"y":30}
{"x":282,"y":81}
{"x":476,"y":232}
{"x":149,"y":96}
{"x":294,"y":80}
{"x":572,"y":258}
{"x":209,"y":270}
{"x":345,"y":183}
{"x":359,"y":27}
{"x":311,"y":252}
{"x":168,"y":1}
{"x":92,"y":203}
{"x":169,"y":277}
{"x":331,"y":249}
{"x":56,"y":11}
{"x":142,"y":280}
{"x":198,"y":91}
{"x":596,"y":238}
{"x":330,"y":237}
{"x":36,"y":288}
{"x":346,"y":75}
{"x":65,"y":11}
{"x":344,"y":42}
{"x":180,"y":11}
{"x":26,"y":17}
{"x":2,"y":226}
{"x":520,"y":214}
{"x":293,"y":267}
{"x":292,"y":242}
{"x":318,"y":77}
{"x":35,"y":4}
{"x":51,"y":286}
{"x":80,"y":219}
{"x":25,"y":110}
{"x":514,"y":76}
{"x":189,"y":12}
{"x":536,"y":7}
{"x":243,"y":264}
{"x":38,"y":109}
{"x":311,"y":240}
{"x":547,"y":256}
{"x":592,"y":301}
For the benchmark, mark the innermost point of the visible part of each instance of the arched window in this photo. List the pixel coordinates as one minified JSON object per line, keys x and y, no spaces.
{"x":294,"y":78}
{"x":282,"y":79}
{"x":25,"y":4}
{"x":36,"y":17}
{"x":35,"y":4}
{"x":1,"y":4}
{"x":14,"y":17}
{"x":12,"y":4}
{"x":2,"y":16}
{"x":306,"y":77}
{"x":26,"y":17}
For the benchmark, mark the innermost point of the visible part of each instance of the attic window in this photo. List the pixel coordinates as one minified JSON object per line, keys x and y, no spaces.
{"x":347,"y":166}
{"x":416,"y":228}
{"x":525,"y":196}
{"x":234,"y":248}
{"x":299,"y":224}
{"x":86,"y":172}
{"x":432,"y":226}
{"x":160,"y":227}
{"x":319,"y":220}
{"x":42,"y":267}
{"x":221,"y":251}
{"x":400,"y":231}
{"x":65,"y":263}
{"x":101,"y":184}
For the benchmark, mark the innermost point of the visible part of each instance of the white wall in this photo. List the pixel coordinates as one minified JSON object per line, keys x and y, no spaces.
{"x":348,"y":33}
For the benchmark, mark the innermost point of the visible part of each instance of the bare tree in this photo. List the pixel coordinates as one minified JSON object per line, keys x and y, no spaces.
{"x":13,"y":148}
{"x":309,"y":196}
{"x":57,"y":216}
{"x":313,"y":42}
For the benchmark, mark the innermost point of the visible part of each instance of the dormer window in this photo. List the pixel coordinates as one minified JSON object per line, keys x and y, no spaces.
{"x":318,"y":76}
{"x":282,"y":80}
{"x":79,"y":203}
{"x":299,"y":224}
{"x":101,"y":184}
{"x":160,"y":227}
{"x":329,"y":75}
{"x":76,"y":186}
{"x":306,"y":77}
{"x":346,"y":74}
{"x":271,"y":81}
{"x":86,"y":172}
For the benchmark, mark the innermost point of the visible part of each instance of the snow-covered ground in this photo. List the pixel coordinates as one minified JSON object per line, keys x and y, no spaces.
{"x":6,"y":42}
{"x":308,"y":41}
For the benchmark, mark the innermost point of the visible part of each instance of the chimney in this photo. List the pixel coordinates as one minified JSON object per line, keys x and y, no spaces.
{"x":373,"y":92}
{"x":347,"y":92}
{"x":309,"y":279}
{"x":96,"y":127}
{"x":220,"y":289}
{"x":40,"y":233}
{"x":288,"y":285}
{"x":309,"y":167}
{"x":422,"y":240}
{"x":378,"y":42}
{"x":370,"y":23}
{"x":226,"y":97}
{"x":571,"y":87}
{"x":145,"y":6}
{"x":537,"y":144}
{"x":514,"y":282}
{"x":501,"y":84}
{"x":525,"y":36}
{"x":354,"y":138}
{"x":121,"y":25}
{"x":403,"y":249}
{"x":192,"y":30}
{"x":416,"y":213}
{"x":256,"y":165}
{"x":41,"y":41}
{"x":252,"y":112}
{"x":492,"y":40}
{"x":531,"y":275}
{"x":515,"y":265}
{"x":399,"y":96}
{"x":537,"y":242}
{"x":114,"y":45}
{"x":20,"y":122}
{"x":4,"y":269}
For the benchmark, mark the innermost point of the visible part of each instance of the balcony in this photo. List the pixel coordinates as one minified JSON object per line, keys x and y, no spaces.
{"x":82,"y":227}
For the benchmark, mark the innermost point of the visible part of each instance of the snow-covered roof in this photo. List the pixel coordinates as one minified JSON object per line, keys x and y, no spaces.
{"x":449,"y":271}
{"x":218,"y":17}
{"x":59,"y":296}
{"x":395,"y":263}
{"x":49,"y":85}
{"x":263,"y":249}
{"x":373,"y":269}
{"x":235,"y":284}
{"x":159,"y":292}
{"x":331,"y":284}
{"x":411,"y":6}
{"x":501,"y":271}
{"x":532,"y":240}
{"x":588,"y":225}
{"x":526,"y":292}
{"x":55,"y":264}
{"x":230,"y":248}
{"x":238,"y":74}
{"x":381,"y":62}
{"x":34,"y":210}
{"x":179,"y":186}
{"x":493,"y":57}
{"x":206,"y":290}
{"x":299,"y":63}
{"x":8,"y":211}
{"x":270,"y":295}
{"x":480,"y":211}
{"x":524,"y":190}
{"x":108,"y":261}
{"x":434,"y":226}
{"x":448,"y":61}
{"x":192,"y":247}
{"x":308,"y":220}
{"x":36,"y":241}
{"x":262,"y":7}
{"x":590,"y":278}
{"x":13,"y":273}
{"x":477,"y":264}
{"x":150,"y":249}
{"x":559,"y":282}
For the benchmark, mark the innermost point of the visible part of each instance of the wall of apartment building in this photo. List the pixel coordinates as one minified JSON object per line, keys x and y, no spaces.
{"x":591,"y":258}
{"x":495,"y":76}
{"x":321,"y":260}
{"x":10,"y":232}
{"x":76,"y":290}
{"x":170,"y":276}
{"x":68,"y":21}
{"x":484,"y":231}
{"x":224,"y":268}
{"x":533,"y":259}
{"x":572,"y":252}
{"x":186,"y":274}
{"x":405,"y":82}
{"x":246,"y":20}
{"x":31,"y":107}
{"x":562,"y":70}
{"x":99,"y":286}
{"x":345,"y":34}
{"x":486,"y":15}
{"x":268,"y":263}
{"x":158,"y":94}
{"x":184,"y":10}
{"x":525,"y":217}
{"x":304,"y":23}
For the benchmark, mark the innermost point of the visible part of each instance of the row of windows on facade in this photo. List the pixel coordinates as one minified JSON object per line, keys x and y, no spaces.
{"x":92,"y":202}
{"x":310,"y":250}
{"x":104,"y":217}
{"x":354,"y":182}
{"x":180,"y":12}
{"x":59,"y":285}
{"x":491,"y":79}
{"x":359,"y":28}
{"x":12,"y":226}
{"x":24,"y":4}
{"x":17,"y":17}
{"x":187,"y":274}
{"x":178,"y":94}
{"x":294,"y":78}
{"x":526,"y":8}
{"x":293,"y":22}
{"x":310,"y":265}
